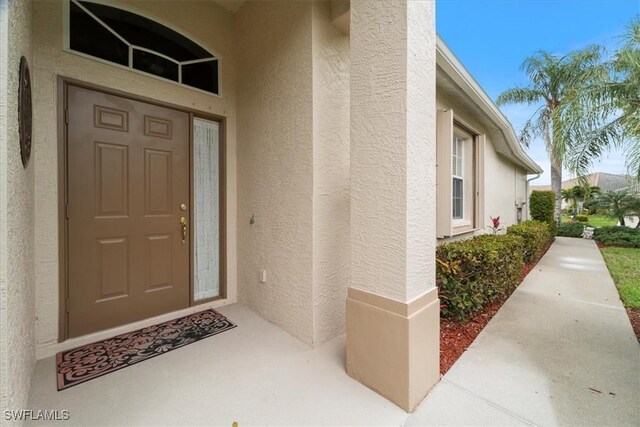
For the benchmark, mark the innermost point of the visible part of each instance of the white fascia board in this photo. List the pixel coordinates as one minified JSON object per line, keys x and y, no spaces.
{"x":451,"y":65}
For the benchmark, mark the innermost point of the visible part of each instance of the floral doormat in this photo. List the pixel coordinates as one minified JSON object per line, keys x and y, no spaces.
{"x":99,"y":358}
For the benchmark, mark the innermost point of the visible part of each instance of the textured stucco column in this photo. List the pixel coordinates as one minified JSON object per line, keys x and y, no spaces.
{"x":392,"y":306}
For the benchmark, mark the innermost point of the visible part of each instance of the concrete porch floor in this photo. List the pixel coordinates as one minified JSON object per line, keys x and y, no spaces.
{"x":253,"y":374}
{"x":561,"y":335}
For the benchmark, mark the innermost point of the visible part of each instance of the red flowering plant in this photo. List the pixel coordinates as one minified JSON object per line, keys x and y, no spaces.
{"x":495,"y":227}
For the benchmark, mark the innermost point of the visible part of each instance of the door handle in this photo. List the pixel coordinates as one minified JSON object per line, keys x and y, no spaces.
{"x":183,"y":226}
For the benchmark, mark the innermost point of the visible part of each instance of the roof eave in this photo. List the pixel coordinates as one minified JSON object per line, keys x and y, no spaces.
{"x":446,"y":59}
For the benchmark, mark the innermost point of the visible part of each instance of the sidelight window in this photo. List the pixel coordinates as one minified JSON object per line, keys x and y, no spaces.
{"x":206,"y":227}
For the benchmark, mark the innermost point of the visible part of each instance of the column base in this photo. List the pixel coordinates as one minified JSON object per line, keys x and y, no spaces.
{"x":394,"y":347}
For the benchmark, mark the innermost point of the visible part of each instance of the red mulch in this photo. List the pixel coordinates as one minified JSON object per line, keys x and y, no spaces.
{"x":634,"y":317}
{"x":456,"y":337}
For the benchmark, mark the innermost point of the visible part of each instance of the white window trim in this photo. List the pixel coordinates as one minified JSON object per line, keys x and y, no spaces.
{"x":462,"y":138}
{"x":66,"y":47}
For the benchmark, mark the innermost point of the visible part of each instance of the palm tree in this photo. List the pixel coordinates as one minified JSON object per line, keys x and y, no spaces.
{"x":611,"y":108}
{"x":625,"y":91}
{"x":634,"y":208}
{"x":619,"y":204}
{"x":579,"y":193}
{"x":592,"y":192}
{"x":554,"y":81}
{"x":567,"y":196}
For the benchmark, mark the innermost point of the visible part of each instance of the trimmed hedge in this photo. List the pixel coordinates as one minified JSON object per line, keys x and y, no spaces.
{"x":618,"y":236}
{"x":535,"y":234}
{"x":541,"y":207}
{"x":473,"y":272}
{"x":582,"y":218}
{"x":570,"y":229}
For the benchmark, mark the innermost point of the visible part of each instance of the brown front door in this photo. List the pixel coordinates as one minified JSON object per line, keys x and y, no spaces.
{"x":128,"y":174}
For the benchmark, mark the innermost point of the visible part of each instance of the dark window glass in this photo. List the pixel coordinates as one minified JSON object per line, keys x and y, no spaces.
{"x":457,"y":198}
{"x":154,"y":64}
{"x":146,"y":33}
{"x":203,"y":75}
{"x":88,"y":36}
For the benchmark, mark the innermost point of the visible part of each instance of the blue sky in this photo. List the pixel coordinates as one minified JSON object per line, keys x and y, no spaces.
{"x":492,"y":37}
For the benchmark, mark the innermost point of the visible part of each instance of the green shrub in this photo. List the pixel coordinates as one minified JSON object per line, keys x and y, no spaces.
{"x":535,"y":235}
{"x":582,"y":218}
{"x":570,"y":230}
{"x":473,"y":272}
{"x":618,"y":236}
{"x":541,"y":207}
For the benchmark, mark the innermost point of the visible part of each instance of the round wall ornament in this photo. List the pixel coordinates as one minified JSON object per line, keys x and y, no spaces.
{"x":24,"y":112}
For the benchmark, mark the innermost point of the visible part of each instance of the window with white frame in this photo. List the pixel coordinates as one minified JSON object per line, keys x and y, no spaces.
{"x":139,"y":43}
{"x":462,"y":179}
{"x":459,"y":176}
{"x":457,"y":172}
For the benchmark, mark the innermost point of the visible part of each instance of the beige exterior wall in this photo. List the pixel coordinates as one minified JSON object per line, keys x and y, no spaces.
{"x":293,"y":166}
{"x":206,"y":23}
{"x":275,"y":162}
{"x":17,"y":287}
{"x":504,"y":182}
{"x":331,"y":248}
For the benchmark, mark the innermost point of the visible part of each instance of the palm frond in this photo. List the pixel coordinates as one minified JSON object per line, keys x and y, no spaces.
{"x":519,"y":95}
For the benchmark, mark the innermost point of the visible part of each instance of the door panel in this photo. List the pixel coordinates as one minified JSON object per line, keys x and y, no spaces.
{"x":111,"y":180}
{"x":128,"y":173}
{"x":113,"y":261}
{"x":157,"y":180}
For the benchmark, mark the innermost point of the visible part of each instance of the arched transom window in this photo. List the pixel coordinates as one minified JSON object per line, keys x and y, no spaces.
{"x":136,"y":42}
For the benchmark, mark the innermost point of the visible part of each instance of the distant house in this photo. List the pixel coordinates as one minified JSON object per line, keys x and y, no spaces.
{"x":606,"y":182}
{"x":632,"y":189}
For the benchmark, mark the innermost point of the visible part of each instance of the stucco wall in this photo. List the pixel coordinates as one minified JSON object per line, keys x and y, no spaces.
{"x":392,"y":148}
{"x":17,"y":289}
{"x":504,"y":182}
{"x":331,"y":248}
{"x":275,"y":166}
{"x":206,"y":23}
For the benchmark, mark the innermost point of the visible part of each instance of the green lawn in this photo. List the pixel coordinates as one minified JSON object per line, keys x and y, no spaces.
{"x":623,"y":264}
{"x":596,"y":220}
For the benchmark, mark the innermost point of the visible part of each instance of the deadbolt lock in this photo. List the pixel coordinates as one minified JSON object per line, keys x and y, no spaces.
{"x":183,"y":207}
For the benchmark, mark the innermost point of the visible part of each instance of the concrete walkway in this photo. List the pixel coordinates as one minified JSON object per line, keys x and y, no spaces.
{"x":561,"y":351}
{"x":561,"y":333}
